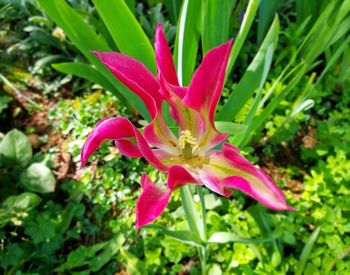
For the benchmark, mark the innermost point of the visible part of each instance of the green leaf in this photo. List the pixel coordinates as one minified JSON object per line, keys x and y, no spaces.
{"x":304,"y":256}
{"x":133,"y":265}
{"x":86,"y":71}
{"x":85,"y":38}
{"x":216,"y":22}
{"x":183,"y":236}
{"x":111,"y":248}
{"x":23,"y":202}
{"x":126,"y":31}
{"x":38,"y":178}
{"x":230,"y":127}
{"x":242,"y":34}
{"x":227,"y":237}
{"x":267,"y":10}
{"x":187,"y":39}
{"x":15,"y":149}
{"x":254,"y":76}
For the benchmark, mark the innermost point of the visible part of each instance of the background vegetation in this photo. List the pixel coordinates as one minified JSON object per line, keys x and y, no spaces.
{"x":286,"y":98}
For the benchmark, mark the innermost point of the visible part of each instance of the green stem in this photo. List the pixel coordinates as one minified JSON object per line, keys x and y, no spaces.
{"x":191,"y":213}
{"x":195,"y":222}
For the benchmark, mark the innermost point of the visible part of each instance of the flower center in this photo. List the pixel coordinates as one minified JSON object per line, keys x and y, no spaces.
{"x":186,"y":142}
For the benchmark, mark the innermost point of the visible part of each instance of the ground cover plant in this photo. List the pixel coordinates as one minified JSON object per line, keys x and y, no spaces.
{"x":284,"y":103}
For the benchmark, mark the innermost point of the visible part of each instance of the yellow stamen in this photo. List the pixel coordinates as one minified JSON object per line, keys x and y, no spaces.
{"x":186,"y":141}
{"x":185,"y":138}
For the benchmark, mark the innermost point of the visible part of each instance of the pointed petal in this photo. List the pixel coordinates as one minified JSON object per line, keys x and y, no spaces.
{"x":128,"y":148}
{"x":117,"y":128}
{"x":151,"y":203}
{"x":134,"y":75}
{"x":237,"y":172}
{"x":187,"y":118}
{"x":207,"y":83}
{"x":164,"y":59}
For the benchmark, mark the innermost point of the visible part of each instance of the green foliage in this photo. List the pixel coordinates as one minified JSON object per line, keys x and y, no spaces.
{"x":85,"y":224}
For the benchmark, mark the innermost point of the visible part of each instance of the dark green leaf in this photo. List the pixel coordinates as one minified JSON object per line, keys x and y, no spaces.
{"x":38,"y":178}
{"x":15,"y":149}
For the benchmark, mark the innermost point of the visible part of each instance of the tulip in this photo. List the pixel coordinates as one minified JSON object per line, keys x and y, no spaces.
{"x":191,"y":156}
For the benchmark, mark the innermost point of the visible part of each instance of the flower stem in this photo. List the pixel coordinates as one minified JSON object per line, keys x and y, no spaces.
{"x":196,"y":223}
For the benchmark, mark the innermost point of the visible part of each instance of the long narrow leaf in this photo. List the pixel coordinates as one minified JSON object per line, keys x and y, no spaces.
{"x":243,"y":32}
{"x":305,"y":254}
{"x":216,"y":22}
{"x":187,"y":39}
{"x":253,"y":77}
{"x":267,"y":11}
{"x":126,"y":31}
{"x":227,"y":237}
{"x":86,"y":40}
{"x":85,"y":71}
{"x":184,"y":236}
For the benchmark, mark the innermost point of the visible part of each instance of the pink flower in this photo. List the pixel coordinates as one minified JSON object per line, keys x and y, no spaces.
{"x":188,"y":157}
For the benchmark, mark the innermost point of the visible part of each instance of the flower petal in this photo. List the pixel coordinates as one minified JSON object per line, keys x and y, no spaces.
{"x":135,"y":76}
{"x":208,"y":80}
{"x":117,"y":128}
{"x":164,"y":59}
{"x":151,"y":203}
{"x":128,"y":148}
{"x":187,"y":118}
{"x":179,"y":176}
{"x":237,"y":172}
{"x":159,"y":135}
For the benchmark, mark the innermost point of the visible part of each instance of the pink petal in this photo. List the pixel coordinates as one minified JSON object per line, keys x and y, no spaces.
{"x":249,"y":179}
{"x":117,"y":128}
{"x":128,"y":148}
{"x":151,"y":203}
{"x":135,"y":76}
{"x":204,"y":175}
{"x":164,"y":59}
{"x":159,"y":135}
{"x":179,"y":176}
{"x":187,"y":118}
{"x":207,"y":82}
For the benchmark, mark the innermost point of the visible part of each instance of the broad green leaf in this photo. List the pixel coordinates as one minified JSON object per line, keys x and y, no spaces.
{"x":126,"y":31}
{"x":85,"y":71}
{"x":242,"y":34}
{"x":254,"y":76}
{"x":230,"y":127}
{"x":38,"y":178}
{"x":187,"y":39}
{"x":15,"y":149}
{"x":227,"y":237}
{"x":23,"y":202}
{"x":304,"y":256}
{"x":184,"y":236}
{"x":216,"y":23}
